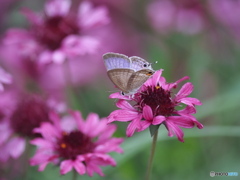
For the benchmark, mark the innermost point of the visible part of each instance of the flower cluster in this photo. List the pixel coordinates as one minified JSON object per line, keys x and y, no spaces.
{"x":155,"y":104}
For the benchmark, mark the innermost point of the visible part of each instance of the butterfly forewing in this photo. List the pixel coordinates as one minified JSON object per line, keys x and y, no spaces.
{"x":120,"y":78}
{"x":115,"y":61}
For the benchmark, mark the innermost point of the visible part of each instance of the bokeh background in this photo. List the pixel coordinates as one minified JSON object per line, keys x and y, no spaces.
{"x":196,"y":38}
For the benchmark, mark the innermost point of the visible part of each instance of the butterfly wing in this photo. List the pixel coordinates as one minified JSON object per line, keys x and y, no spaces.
{"x":116,"y":61}
{"x":120,"y":77}
{"x":139,"y":63}
{"x":138,"y":78}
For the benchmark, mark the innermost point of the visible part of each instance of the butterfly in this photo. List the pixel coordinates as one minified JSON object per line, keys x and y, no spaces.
{"x":127,"y":73}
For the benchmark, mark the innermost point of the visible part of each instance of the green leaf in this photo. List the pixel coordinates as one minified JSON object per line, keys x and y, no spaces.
{"x":153,"y":129}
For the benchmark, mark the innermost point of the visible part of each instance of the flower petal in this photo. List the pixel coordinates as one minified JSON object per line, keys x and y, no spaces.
{"x":122,"y":104}
{"x":122,"y":115}
{"x":48,"y":131}
{"x":16,"y":146}
{"x":75,"y":45}
{"x":174,"y":129}
{"x":199,"y":125}
{"x":144,"y":125}
{"x":187,"y":110}
{"x":91,"y":17}
{"x":147,"y":113}
{"x":158,"y":120}
{"x":182,"y":121}
{"x":111,"y":128}
{"x":79,"y":167}
{"x":66,"y":166}
{"x":174,"y":85}
{"x":190,"y":101}
{"x":91,"y":122}
{"x":109,"y":146}
{"x":135,"y":124}
{"x":79,"y":120}
{"x":42,"y":143}
{"x":57,"y":7}
{"x":117,"y":95}
{"x":186,"y":89}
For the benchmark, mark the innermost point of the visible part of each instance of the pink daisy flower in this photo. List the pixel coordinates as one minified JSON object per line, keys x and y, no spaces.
{"x":54,"y":36}
{"x":18,"y":117}
{"x":155,"y":104}
{"x":64,"y":31}
{"x":63,"y":34}
{"x":76,"y":144}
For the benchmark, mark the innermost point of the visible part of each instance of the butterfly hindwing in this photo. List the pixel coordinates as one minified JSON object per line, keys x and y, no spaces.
{"x":120,"y":78}
{"x":138,"y":78}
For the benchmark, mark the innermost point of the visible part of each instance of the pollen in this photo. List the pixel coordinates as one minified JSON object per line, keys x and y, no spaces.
{"x":158,"y":87}
{"x":63,"y":145}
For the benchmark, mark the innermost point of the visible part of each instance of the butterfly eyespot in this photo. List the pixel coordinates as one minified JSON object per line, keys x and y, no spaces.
{"x":149,"y":73}
{"x":145,"y":65}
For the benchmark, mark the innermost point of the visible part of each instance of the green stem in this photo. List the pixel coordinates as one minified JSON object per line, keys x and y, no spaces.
{"x":150,"y":162}
{"x":70,"y":91}
{"x":74,"y":177}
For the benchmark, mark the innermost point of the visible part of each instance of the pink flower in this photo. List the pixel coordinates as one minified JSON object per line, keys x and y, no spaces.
{"x":63,"y":34}
{"x":19,"y":115}
{"x":57,"y":34}
{"x":155,"y":104}
{"x":5,"y":78}
{"x":10,"y":146}
{"x":186,"y":16}
{"x":76,"y":144}
{"x":227,"y":13}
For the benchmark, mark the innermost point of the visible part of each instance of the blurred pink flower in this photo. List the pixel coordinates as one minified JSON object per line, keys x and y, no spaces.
{"x":154,"y":104}
{"x":19,"y":115}
{"x":63,"y":34}
{"x":186,"y":16}
{"x":5,"y":78}
{"x":227,"y":13}
{"x":76,"y":144}
{"x":54,"y":36}
{"x":10,"y":146}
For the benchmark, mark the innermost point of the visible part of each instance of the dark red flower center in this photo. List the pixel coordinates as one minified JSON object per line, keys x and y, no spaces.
{"x":158,"y":99}
{"x":73,"y":144}
{"x":55,"y":29}
{"x":29,"y":114}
